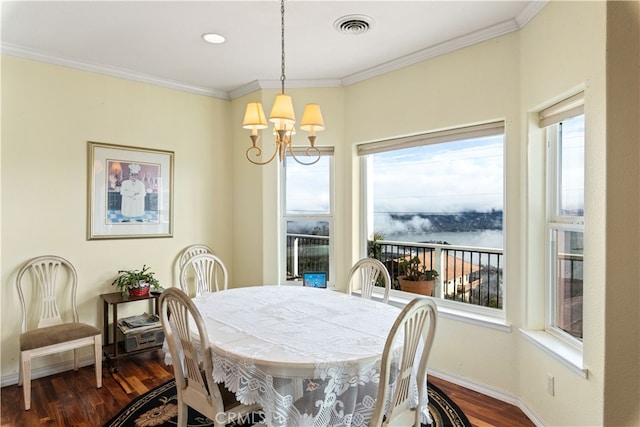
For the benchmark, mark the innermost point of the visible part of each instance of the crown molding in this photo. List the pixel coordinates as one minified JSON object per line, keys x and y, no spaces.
{"x":13,"y":50}
{"x":470,"y":39}
{"x":449,"y":46}
{"x":257,"y":85}
{"x":437,"y":50}
{"x":530,"y":11}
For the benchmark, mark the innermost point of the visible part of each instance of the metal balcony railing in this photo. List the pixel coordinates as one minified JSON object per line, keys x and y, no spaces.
{"x":569,"y":293}
{"x":467,"y":274}
{"x":306,"y":253}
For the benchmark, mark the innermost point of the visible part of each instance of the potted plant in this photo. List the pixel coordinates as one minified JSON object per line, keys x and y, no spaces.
{"x":416,"y":278}
{"x":136,"y":282}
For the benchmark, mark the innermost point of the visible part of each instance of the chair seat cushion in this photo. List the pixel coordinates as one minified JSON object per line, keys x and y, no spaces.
{"x":43,"y":337}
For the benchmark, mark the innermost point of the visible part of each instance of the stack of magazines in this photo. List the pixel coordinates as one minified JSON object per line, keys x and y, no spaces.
{"x":139,"y":322}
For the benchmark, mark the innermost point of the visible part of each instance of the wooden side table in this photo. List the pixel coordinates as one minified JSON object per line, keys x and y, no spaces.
{"x":114,"y":350}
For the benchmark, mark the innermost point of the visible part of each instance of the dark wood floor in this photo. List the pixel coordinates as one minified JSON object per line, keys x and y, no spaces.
{"x":71,"y":398}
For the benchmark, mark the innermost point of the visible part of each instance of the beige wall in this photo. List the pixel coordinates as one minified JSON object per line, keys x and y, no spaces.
{"x":232,"y":205}
{"x":48,"y":115}
{"x":563,"y":53}
{"x":622,"y":247}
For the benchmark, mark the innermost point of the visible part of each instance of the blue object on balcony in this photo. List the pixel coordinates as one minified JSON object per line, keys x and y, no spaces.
{"x":315,"y":279}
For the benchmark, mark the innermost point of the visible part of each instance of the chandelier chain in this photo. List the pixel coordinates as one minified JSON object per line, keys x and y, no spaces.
{"x":282,"y":76}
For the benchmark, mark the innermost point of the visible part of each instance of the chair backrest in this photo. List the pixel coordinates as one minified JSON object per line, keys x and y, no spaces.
{"x":52,"y":277}
{"x":367,"y":270}
{"x":415,"y":325}
{"x":191,"y":358}
{"x":206,"y":268}
{"x":191,"y":251}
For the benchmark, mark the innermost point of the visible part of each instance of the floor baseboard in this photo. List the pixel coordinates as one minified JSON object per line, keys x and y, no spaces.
{"x":491,"y":392}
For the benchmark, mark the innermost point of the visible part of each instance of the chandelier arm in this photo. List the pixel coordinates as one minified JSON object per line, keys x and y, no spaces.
{"x":258,"y":153}
{"x":307,"y":152}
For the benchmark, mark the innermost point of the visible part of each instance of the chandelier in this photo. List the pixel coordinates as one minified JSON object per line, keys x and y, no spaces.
{"x":283,"y":118}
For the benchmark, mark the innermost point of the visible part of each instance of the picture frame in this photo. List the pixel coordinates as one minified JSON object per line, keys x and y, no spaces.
{"x":130,"y":192}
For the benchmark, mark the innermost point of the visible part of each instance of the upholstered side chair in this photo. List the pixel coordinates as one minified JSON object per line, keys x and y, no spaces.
{"x":51,"y":286}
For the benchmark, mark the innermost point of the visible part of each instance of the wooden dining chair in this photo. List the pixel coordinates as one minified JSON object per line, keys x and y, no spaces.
{"x":416,"y":324}
{"x":186,"y":254}
{"x":206,"y":268}
{"x":51,"y":290}
{"x":191,"y":251}
{"x":192,"y":364}
{"x":367,"y":271}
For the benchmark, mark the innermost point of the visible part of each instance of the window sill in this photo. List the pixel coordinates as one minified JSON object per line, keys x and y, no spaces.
{"x":449,"y":311}
{"x":569,"y":356}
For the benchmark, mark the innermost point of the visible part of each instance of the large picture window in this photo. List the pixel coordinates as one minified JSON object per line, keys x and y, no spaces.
{"x":440,"y":197}
{"x":308,"y":217}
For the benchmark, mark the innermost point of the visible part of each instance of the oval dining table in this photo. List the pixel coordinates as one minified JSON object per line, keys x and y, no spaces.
{"x":308,"y":356}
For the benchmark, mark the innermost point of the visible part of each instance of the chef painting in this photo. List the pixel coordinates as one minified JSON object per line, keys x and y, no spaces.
{"x":133,"y":192}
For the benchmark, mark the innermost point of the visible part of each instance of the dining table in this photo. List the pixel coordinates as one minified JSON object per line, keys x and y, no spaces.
{"x":308,"y":356}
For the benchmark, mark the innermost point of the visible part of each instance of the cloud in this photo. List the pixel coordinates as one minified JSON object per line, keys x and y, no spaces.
{"x":440,"y":178}
{"x":308,"y":187}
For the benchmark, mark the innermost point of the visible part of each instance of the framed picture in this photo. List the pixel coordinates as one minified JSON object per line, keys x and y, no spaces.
{"x":130,"y":192}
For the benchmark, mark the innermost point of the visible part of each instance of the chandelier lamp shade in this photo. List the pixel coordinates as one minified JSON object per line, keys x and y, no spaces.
{"x":283,"y":119}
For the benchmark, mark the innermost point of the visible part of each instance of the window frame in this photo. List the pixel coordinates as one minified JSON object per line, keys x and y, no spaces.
{"x":329,"y":217}
{"x":555,"y":221}
{"x":365,"y":150}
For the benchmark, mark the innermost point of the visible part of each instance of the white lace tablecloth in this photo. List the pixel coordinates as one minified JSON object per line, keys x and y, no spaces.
{"x":308,"y":356}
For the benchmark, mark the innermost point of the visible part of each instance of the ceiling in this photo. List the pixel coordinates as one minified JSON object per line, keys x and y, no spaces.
{"x":160,"y":42}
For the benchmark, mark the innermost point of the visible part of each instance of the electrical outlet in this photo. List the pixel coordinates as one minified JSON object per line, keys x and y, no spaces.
{"x":550,"y":384}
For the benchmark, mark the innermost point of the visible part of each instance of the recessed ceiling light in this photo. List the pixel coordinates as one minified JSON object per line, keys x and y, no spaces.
{"x":213,"y":38}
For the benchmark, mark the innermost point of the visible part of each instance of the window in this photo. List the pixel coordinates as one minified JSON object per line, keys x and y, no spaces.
{"x":440,"y":197}
{"x":307,"y":214}
{"x":564,"y":124}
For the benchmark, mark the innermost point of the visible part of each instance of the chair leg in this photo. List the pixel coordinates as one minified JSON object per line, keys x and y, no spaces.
{"x":26,"y":373}
{"x":183,"y":412}
{"x":20,"y":379}
{"x":76,"y":364}
{"x":97,"y":350}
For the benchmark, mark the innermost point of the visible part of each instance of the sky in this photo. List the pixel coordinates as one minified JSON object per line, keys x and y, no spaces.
{"x":440,"y":178}
{"x":308,"y":187}
{"x":572,"y":159}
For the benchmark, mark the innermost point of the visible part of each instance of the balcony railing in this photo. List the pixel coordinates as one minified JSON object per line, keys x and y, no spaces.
{"x":306,"y":253}
{"x":569,"y":293}
{"x":467,"y":274}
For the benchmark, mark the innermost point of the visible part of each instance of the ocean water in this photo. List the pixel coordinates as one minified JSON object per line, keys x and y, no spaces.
{"x":481,"y":238}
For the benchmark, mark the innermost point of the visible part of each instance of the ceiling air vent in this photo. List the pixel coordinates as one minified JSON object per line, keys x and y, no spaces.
{"x":353,"y":24}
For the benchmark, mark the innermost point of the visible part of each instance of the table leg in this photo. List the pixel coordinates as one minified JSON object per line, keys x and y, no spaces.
{"x":115,"y":338}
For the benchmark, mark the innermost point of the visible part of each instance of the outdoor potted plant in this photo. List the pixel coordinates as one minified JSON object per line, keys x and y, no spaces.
{"x":136,"y":282}
{"x":416,"y":278}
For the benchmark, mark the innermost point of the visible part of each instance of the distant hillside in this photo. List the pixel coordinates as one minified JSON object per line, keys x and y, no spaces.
{"x":454,"y":222}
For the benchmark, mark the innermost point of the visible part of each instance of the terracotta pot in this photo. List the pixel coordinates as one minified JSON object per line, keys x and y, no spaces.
{"x":423,"y":287}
